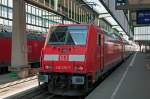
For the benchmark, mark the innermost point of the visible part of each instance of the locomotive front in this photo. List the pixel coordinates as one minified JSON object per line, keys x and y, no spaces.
{"x":63,"y":60}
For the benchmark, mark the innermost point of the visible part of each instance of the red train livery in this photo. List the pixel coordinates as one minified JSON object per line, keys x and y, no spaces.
{"x":35,"y":44}
{"x":75,"y":56}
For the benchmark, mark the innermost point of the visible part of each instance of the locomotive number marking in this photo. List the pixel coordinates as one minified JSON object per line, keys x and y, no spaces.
{"x":63,"y":67}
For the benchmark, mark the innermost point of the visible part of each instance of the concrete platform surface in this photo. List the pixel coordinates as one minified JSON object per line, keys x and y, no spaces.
{"x":130,"y":81}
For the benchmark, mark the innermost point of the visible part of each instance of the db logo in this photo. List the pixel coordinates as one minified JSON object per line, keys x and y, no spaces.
{"x":63,"y":57}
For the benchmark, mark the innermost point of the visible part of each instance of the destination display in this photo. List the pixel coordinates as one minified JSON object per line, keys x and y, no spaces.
{"x":143,"y":17}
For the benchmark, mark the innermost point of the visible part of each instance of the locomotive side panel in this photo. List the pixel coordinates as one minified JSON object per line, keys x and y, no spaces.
{"x":92,"y":62}
{"x":95,"y":53}
{"x":113,"y":50}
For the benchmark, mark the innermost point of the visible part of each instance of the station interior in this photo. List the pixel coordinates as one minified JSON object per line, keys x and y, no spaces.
{"x":79,"y":49}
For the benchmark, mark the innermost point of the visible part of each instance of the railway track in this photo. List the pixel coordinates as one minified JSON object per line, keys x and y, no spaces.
{"x":6,"y":86}
{"x":38,"y":92}
{"x":15,"y":87}
{"x":41,"y":93}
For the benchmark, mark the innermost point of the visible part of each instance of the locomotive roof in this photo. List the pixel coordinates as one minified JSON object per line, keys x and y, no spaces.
{"x":29,"y":35}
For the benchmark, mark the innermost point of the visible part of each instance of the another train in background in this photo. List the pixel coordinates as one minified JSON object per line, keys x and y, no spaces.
{"x":35,"y":43}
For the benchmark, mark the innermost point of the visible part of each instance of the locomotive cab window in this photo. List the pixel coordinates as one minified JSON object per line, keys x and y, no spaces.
{"x":68,"y":35}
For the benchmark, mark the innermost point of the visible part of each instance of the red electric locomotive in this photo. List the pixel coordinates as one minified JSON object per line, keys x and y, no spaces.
{"x":75,"y":56}
{"x":35,"y":43}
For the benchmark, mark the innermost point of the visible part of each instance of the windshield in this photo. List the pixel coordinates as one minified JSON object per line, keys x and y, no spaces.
{"x":68,"y":35}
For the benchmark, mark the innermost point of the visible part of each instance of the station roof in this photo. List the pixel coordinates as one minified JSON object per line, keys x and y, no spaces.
{"x":103,"y":13}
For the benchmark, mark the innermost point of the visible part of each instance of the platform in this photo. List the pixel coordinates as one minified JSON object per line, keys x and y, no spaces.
{"x":130,"y":81}
{"x":5,"y":78}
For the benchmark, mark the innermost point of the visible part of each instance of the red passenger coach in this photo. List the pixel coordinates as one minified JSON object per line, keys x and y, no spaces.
{"x":35,"y":43}
{"x":76,"y":56}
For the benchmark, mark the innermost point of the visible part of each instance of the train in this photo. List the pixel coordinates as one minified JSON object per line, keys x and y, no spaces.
{"x":75,"y":56}
{"x":35,"y":43}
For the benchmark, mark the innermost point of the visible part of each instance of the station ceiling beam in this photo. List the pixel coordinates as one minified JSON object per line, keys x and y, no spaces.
{"x":104,"y":15}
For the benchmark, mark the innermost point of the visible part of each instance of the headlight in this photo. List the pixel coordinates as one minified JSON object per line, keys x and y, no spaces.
{"x":48,"y":67}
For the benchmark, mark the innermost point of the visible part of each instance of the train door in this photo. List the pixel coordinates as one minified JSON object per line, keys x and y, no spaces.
{"x":102,"y":50}
{"x":99,"y":53}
